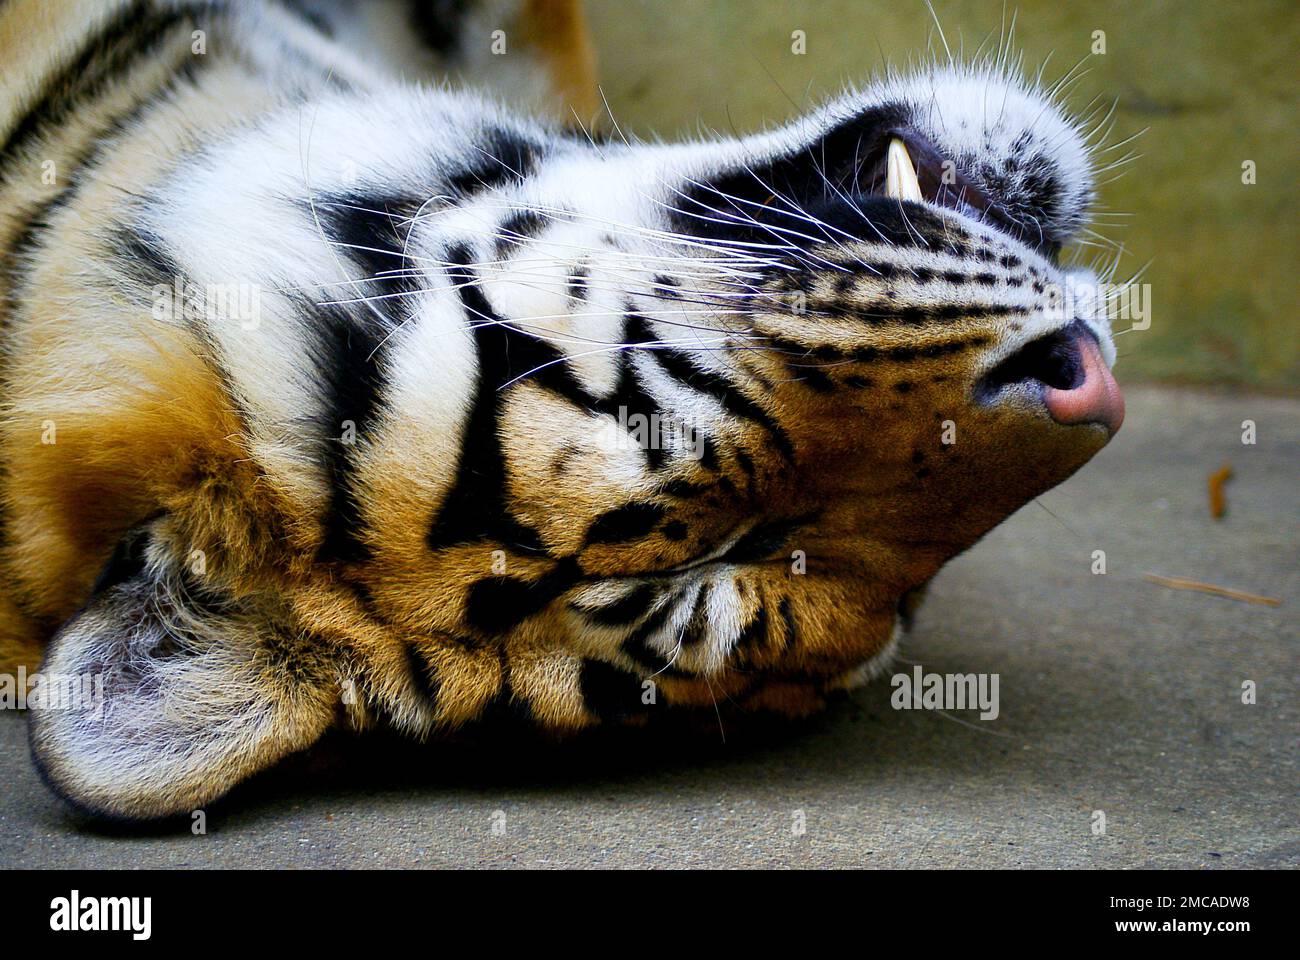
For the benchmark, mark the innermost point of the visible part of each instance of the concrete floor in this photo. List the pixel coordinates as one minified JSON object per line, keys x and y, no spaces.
{"x":1116,"y":695}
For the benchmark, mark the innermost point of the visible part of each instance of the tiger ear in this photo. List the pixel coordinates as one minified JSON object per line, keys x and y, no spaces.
{"x":159,"y":696}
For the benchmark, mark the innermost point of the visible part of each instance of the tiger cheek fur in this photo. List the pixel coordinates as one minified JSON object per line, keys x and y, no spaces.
{"x":526,"y":423}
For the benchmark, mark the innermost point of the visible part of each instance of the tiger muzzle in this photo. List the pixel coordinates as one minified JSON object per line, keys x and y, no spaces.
{"x":1067,"y":372}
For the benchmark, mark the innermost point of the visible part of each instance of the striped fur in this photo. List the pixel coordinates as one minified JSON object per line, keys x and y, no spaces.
{"x":320,"y":381}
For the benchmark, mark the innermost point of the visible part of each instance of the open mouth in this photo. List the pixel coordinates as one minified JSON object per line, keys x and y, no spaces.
{"x":1067,"y":370}
{"x":909,"y":167}
{"x":912,"y":169}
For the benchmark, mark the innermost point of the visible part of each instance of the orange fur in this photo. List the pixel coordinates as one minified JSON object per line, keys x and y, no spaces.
{"x":557,"y":30}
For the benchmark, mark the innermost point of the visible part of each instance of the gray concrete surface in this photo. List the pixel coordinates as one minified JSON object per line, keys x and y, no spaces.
{"x":1116,"y":695}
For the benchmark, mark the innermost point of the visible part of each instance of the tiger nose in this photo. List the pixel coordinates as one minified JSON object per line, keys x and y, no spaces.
{"x":1096,"y":398}
{"x":1067,"y":372}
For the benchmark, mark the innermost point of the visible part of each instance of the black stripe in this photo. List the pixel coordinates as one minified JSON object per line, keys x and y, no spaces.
{"x":145,"y":264}
{"x":516,"y":228}
{"x":698,"y":626}
{"x":637,"y":646}
{"x":423,"y":679}
{"x":104,"y":56}
{"x":370,"y":230}
{"x":626,"y":610}
{"x":878,"y":313}
{"x":141,"y":255}
{"x":507,"y":707}
{"x":351,"y":345}
{"x":709,"y":461}
{"x":500,"y":157}
{"x":348,"y":350}
{"x":475,"y":506}
{"x":684,"y":489}
{"x":746,"y":463}
{"x":577,"y":283}
{"x":495,"y":605}
{"x":631,"y":521}
{"x":812,"y":377}
{"x":753,"y":637}
{"x":829,"y":354}
{"x":630,"y":397}
{"x":787,"y":617}
{"x":683,"y":368}
{"x":666,"y":287}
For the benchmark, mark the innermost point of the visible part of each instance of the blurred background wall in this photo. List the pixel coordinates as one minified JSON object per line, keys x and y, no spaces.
{"x":1214,"y":81}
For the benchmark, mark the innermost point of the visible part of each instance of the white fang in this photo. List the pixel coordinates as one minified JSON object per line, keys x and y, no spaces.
{"x":900,"y":177}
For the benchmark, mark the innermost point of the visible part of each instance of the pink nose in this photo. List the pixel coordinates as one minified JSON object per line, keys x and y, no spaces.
{"x":1096,"y":399}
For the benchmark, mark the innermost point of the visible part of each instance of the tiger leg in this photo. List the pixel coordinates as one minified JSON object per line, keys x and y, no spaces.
{"x":557,"y":33}
{"x":532,"y":52}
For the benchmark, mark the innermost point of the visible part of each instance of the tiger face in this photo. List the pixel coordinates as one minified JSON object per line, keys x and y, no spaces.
{"x":586,"y":430}
{"x":744,"y":398}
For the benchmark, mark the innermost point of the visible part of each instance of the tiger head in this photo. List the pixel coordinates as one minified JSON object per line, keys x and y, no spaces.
{"x":637,"y":426}
{"x":737,"y":400}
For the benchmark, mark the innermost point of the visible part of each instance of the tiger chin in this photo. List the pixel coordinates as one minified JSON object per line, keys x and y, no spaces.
{"x":329,"y":389}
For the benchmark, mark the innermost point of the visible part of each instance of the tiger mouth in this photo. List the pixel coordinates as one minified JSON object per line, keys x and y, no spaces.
{"x":912,"y":168}
{"x":907,"y":166}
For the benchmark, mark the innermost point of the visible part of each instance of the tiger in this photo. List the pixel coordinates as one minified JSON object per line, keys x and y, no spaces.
{"x":358,"y":374}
